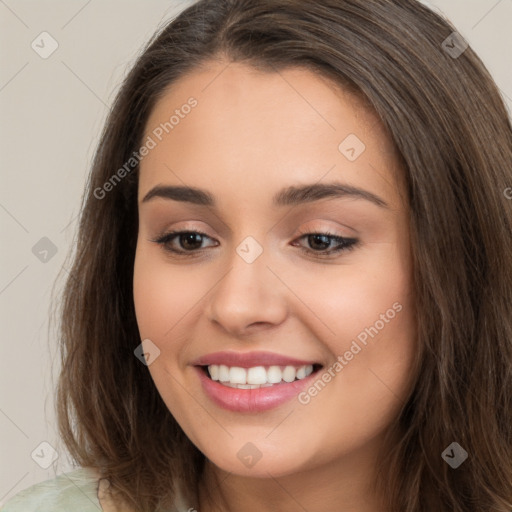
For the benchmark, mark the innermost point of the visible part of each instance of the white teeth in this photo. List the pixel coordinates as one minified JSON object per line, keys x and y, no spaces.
{"x":274,"y":375}
{"x":214,"y":372}
{"x":237,"y":375}
{"x":257,"y":376}
{"x":223,"y":373}
{"x":289,"y":374}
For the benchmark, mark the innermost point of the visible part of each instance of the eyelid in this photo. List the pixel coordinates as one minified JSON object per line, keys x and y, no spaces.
{"x":323,"y":231}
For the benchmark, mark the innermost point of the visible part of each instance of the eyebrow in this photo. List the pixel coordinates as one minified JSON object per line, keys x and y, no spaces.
{"x":289,"y":196}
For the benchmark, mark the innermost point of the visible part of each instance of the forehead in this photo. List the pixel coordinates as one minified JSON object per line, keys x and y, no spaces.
{"x":267,"y":130}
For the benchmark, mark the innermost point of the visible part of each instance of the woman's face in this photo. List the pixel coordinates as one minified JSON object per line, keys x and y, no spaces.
{"x":275,"y":161}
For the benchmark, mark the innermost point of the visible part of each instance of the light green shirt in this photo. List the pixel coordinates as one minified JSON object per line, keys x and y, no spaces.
{"x":68,"y":492}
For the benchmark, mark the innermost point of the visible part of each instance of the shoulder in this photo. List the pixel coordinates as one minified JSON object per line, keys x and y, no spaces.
{"x":75,"y":490}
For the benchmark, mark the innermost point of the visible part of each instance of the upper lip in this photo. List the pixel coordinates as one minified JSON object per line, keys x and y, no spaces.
{"x":249,"y":359}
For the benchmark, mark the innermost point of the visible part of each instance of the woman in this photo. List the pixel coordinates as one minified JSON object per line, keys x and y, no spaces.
{"x":215,"y":357}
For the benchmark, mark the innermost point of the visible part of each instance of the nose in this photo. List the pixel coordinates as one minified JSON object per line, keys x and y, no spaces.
{"x":249,"y":297}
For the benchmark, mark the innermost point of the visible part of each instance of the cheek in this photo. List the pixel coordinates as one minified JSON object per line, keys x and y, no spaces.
{"x":381,"y":320}
{"x":368,"y":310}
{"x":162,"y":296}
{"x":164,"y":300}
{"x":372,"y":289}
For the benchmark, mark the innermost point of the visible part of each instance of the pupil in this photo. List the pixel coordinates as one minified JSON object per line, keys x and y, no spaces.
{"x":190,"y":237}
{"x":316,"y":238}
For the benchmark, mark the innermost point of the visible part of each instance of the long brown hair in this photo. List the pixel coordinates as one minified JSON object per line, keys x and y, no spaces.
{"x":454,"y":138}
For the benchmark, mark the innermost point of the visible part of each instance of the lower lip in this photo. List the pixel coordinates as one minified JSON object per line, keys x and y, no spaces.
{"x":252,"y":400}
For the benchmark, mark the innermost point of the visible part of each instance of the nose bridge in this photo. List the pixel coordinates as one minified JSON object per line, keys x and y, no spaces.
{"x":248,"y":292}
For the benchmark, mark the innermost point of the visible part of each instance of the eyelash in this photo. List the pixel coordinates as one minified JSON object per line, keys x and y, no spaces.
{"x":344,"y":244}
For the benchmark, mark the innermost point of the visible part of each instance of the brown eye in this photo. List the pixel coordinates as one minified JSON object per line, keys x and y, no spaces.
{"x":319,"y":243}
{"x":188,"y":241}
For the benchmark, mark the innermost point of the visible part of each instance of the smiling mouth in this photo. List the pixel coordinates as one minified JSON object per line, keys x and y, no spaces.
{"x":258,"y":376}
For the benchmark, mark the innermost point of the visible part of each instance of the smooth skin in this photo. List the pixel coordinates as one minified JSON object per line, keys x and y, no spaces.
{"x":251,"y":135}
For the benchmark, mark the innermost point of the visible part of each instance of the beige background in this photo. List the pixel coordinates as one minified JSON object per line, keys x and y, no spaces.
{"x":52,"y":111}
